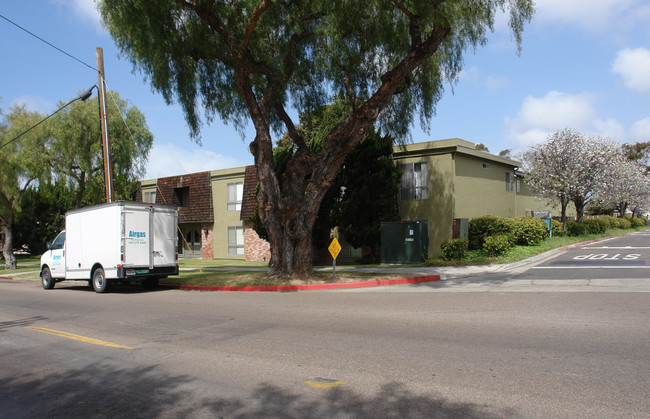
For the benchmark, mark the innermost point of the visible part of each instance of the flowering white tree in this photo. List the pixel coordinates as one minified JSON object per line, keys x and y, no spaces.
{"x":626,"y":186}
{"x":569,"y":167}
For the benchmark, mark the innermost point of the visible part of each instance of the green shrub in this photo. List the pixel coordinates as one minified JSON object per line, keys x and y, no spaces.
{"x":496,"y":245}
{"x":480,"y":228}
{"x":611,"y":221}
{"x":594,"y":226}
{"x":574,"y":228}
{"x":624,"y":223}
{"x":529,"y":231}
{"x":556,"y":228}
{"x":454,"y":248}
{"x":639,"y":222}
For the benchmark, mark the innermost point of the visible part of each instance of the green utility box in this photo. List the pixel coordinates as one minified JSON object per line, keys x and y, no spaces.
{"x":404,"y":242}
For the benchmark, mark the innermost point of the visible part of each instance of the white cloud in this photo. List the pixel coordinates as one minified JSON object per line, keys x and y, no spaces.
{"x":169,"y":160}
{"x":590,"y":14}
{"x":494,"y":83}
{"x":640,"y":130}
{"x":633,"y":65}
{"x":85,"y":10}
{"x":540,"y":117}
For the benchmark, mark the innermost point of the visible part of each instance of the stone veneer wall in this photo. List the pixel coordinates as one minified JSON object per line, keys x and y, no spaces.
{"x":257,"y":249}
{"x":207,"y":251}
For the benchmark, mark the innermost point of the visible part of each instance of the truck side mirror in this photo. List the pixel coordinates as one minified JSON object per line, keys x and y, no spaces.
{"x":49,"y":245}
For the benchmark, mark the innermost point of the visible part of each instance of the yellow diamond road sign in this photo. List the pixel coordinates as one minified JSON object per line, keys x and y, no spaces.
{"x":334,"y":248}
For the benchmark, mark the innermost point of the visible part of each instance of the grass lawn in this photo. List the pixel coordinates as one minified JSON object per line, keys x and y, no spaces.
{"x":218,"y":273}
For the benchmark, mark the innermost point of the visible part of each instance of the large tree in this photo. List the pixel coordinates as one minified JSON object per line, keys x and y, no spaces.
{"x":626,"y":185}
{"x":254,"y":59}
{"x":74,"y":148}
{"x":20,"y":164}
{"x":569,"y":167}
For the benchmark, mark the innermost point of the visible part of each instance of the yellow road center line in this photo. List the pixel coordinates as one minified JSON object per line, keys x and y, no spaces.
{"x":77,"y":337}
{"x":323,"y":383}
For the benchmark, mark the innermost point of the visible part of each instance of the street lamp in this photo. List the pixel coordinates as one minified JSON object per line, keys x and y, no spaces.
{"x":83,"y":97}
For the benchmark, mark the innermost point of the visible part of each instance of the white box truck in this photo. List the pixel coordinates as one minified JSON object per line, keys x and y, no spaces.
{"x":125,"y":241}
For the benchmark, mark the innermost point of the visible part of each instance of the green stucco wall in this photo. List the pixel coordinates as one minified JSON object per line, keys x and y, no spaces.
{"x":438,"y":208}
{"x":222,"y":217}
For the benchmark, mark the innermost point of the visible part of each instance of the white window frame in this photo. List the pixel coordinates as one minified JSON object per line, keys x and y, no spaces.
{"x":235,"y":195}
{"x":414,"y":185}
{"x":236,"y":241}
{"x":149,"y":197}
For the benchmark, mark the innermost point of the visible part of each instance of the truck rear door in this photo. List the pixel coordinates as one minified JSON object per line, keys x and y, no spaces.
{"x":164,"y":236}
{"x":137,"y":237}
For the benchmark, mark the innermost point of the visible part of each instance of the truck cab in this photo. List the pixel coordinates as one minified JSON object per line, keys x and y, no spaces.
{"x":53,"y":261}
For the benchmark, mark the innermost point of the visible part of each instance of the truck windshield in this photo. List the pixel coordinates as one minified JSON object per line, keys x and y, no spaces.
{"x":59,"y":241}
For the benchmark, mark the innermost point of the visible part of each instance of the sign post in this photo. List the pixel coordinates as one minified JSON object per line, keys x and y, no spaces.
{"x":334,"y":248}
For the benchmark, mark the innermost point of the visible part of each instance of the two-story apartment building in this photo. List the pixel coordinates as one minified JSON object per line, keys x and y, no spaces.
{"x":442,"y":181}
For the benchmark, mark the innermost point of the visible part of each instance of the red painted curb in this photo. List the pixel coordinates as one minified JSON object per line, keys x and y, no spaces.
{"x":339,"y":285}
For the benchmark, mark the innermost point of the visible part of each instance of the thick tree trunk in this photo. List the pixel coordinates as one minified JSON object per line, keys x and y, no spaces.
{"x":580,"y":208}
{"x":564,"y":202}
{"x":7,"y":248}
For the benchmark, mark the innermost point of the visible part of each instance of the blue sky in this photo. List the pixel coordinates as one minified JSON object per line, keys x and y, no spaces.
{"x":584,"y":64}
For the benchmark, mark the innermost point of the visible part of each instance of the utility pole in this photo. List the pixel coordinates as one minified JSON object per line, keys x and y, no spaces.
{"x":106,"y":147}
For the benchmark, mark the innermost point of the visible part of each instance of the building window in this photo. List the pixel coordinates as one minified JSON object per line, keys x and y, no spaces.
{"x":235,"y":240}
{"x":518,"y":185}
{"x":415,"y":182}
{"x":510,"y":181}
{"x":486,"y":166}
{"x":182,"y":196}
{"x":235,"y":195}
{"x":149,"y":197}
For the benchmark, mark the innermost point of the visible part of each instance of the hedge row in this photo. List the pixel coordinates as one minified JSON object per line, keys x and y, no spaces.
{"x":495,"y":235}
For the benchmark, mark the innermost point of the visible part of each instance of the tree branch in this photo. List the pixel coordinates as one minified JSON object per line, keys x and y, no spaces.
{"x":295,"y":136}
{"x":261,"y":8}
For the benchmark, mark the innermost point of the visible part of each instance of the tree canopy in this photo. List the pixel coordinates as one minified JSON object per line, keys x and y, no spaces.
{"x":20,"y":163}
{"x":257,"y":59}
{"x":572,"y":167}
{"x":74,"y":148}
{"x":63,"y":155}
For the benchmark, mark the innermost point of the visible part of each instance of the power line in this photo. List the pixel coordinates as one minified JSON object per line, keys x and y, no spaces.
{"x":48,"y":43}
{"x":84,"y":96}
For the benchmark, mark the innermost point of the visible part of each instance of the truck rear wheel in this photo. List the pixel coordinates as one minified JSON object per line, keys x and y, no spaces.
{"x":100,"y":283}
{"x":46,"y":279}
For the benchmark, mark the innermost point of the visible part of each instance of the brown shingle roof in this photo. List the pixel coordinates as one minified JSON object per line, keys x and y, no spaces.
{"x":249,"y":200}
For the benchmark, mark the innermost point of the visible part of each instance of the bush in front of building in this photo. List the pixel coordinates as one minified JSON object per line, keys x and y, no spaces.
{"x":595,"y":225}
{"x":497,"y":245}
{"x":454,"y":248}
{"x":611,"y":221}
{"x":638,"y":221}
{"x":529,"y":231}
{"x":480,"y":228}
{"x":624,"y":223}
{"x":574,"y":228}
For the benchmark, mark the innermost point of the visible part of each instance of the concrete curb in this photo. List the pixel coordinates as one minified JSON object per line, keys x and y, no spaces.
{"x":311,"y":287}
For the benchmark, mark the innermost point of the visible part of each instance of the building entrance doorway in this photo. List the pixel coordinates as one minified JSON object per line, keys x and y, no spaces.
{"x":192,"y":234}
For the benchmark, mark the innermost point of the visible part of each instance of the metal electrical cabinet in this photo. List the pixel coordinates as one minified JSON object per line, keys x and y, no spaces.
{"x":404,"y":242}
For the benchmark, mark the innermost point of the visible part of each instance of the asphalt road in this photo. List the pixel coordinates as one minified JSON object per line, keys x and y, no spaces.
{"x":453,"y":351}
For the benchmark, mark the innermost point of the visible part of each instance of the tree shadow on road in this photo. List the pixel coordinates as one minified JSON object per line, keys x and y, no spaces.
{"x":103,"y":391}
{"x":392,"y":401}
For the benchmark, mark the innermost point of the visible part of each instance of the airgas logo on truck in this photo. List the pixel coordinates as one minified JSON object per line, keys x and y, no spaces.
{"x":137,"y":237}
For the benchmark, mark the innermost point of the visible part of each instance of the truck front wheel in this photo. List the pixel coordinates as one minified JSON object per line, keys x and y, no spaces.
{"x":100,"y":283}
{"x":46,"y":279}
